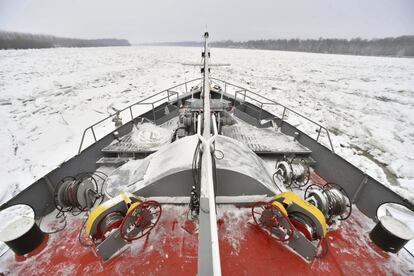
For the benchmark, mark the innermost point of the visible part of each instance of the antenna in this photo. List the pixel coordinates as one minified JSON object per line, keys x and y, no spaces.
{"x":205,"y":70}
{"x":205,"y":36}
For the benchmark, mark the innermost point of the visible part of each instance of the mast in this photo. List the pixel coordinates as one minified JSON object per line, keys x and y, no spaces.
{"x":208,"y":247}
{"x":206,"y":88}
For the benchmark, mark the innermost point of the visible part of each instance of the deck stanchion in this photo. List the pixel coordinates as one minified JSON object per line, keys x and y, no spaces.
{"x":260,"y":113}
{"x":130,"y":112}
{"x":330,"y":141}
{"x":81,"y":144}
{"x":153,"y":112}
{"x":235,"y":98}
{"x":319,"y":133}
{"x":359,"y":188}
{"x":93,"y":133}
{"x":283,"y":115}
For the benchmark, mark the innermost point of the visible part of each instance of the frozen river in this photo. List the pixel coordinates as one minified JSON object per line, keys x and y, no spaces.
{"x":48,"y":96}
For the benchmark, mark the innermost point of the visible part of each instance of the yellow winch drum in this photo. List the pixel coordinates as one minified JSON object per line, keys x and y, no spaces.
{"x":120,"y":203}
{"x":293,"y":204}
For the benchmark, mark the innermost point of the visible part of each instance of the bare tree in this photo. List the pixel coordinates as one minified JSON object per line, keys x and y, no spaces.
{"x":14,"y":40}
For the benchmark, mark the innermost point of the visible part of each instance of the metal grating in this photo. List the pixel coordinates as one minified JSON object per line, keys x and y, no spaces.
{"x":264,"y":140}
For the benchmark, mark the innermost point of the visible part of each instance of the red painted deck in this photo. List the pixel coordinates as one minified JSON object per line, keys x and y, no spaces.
{"x":244,"y":250}
{"x":350,"y":253}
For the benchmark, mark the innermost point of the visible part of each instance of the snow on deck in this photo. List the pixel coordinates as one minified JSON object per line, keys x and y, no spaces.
{"x":244,"y":250}
{"x":146,"y":137}
{"x":264,"y":140}
{"x":176,"y":157}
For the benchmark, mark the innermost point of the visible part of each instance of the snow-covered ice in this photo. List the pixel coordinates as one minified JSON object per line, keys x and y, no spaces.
{"x":48,"y":97}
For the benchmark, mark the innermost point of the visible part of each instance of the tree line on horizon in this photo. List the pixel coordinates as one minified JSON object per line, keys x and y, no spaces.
{"x":16,"y":40}
{"x":402,"y":46}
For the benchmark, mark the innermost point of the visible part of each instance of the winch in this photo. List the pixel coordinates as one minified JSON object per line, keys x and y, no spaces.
{"x":331,"y":199}
{"x":120,"y":220}
{"x":294,"y":172}
{"x":303,"y":223}
{"x":290,"y":219}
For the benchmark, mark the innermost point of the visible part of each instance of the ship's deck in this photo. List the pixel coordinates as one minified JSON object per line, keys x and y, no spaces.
{"x":264,"y":140}
{"x":260,"y":140}
{"x":171,"y":249}
{"x":244,"y":250}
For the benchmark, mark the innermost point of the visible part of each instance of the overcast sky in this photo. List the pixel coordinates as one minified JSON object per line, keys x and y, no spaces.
{"x":178,"y":20}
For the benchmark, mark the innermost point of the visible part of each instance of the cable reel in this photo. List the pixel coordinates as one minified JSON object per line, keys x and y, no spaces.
{"x":293,"y":172}
{"x":77,"y":194}
{"x":110,"y":222}
{"x":331,"y":199}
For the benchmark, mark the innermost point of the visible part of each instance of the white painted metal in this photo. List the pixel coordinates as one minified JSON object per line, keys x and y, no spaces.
{"x":208,"y":262}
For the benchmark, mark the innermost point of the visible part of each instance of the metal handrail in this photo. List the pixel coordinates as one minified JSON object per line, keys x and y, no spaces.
{"x":169,"y":92}
{"x":243,"y":91}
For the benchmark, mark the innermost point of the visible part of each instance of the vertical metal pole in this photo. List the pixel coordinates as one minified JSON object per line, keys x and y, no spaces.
{"x":260,"y":113}
{"x":359,"y":188}
{"x":153,"y":113}
{"x":283,"y":115}
{"x":130,"y":111}
{"x":93,"y":132}
{"x":235,"y":98}
{"x":208,"y":247}
{"x":330,"y":141}
{"x":81,"y":144}
{"x":319,"y":133}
